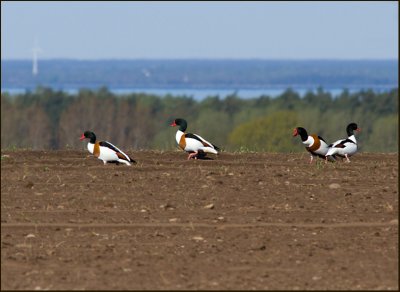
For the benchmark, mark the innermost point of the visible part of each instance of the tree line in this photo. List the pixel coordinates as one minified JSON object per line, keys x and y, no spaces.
{"x":48,"y":119}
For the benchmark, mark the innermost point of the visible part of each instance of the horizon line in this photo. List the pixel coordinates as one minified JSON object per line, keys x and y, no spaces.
{"x":205,"y":59}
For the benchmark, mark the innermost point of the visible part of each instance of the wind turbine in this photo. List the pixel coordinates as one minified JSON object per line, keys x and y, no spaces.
{"x":35,"y":50}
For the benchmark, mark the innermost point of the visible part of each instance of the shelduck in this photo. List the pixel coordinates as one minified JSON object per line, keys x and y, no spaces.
{"x":192,"y":143}
{"x":105,"y":150}
{"x":345,"y":147}
{"x":315,"y":144}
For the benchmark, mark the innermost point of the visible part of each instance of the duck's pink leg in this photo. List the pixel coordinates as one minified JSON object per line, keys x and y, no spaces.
{"x":191,"y":155}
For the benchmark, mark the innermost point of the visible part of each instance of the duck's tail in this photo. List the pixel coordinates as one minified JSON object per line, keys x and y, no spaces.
{"x":216,"y":147}
{"x":132,"y":160}
{"x":123,"y":156}
{"x":208,"y":150}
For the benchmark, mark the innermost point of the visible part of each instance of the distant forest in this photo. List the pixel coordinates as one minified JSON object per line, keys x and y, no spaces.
{"x":48,"y":119}
{"x":200,"y":74}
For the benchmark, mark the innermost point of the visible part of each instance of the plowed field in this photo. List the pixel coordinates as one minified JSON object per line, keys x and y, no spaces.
{"x":236,"y":221}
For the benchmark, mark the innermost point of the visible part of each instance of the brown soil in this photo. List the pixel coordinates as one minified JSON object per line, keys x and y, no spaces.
{"x":239,"y":221}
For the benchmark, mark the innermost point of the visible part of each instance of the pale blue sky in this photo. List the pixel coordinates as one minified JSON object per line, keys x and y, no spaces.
{"x":180,"y":30}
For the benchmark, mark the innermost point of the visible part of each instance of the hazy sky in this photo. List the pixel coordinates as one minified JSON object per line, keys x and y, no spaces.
{"x":268,"y":30}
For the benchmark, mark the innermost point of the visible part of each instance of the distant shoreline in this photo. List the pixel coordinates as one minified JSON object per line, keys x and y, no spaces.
{"x":204,"y":59}
{"x":197,"y":75}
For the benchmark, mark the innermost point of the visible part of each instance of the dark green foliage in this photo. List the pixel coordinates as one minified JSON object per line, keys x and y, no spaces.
{"x":271,"y":133}
{"x":47,"y":119}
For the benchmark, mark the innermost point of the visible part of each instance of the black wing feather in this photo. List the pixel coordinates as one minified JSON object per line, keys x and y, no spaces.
{"x":108,"y":145}
{"x":341,"y":144}
{"x":321,"y":138}
{"x":190,"y":135}
{"x":348,"y":141}
{"x":216,"y":147}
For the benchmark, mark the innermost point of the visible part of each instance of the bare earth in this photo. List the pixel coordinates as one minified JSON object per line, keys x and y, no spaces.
{"x":239,"y":221}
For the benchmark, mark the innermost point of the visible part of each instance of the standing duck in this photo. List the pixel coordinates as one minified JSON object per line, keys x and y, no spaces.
{"x":316,"y":145}
{"x":105,"y":150}
{"x":192,"y":143}
{"x":345,"y":147}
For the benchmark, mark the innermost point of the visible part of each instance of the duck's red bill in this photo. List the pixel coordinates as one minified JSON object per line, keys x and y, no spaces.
{"x":82,"y":137}
{"x":173,"y":124}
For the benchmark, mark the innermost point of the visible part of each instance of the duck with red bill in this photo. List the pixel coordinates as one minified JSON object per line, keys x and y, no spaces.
{"x":105,"y":151}
{"x":345,"y":147}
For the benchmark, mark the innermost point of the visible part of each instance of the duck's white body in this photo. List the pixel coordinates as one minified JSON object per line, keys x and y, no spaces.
{"x":316,"y":145}
{"x":107,"y":154}
{"x":344,"y":147}
{"x":194,"y":145}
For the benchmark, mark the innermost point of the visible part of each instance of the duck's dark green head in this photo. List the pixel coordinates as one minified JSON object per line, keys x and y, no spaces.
{"x":351,"y":128}
{"x":302,"y":132}
{"x":181,"y":123}
{"x":89,"y":135}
